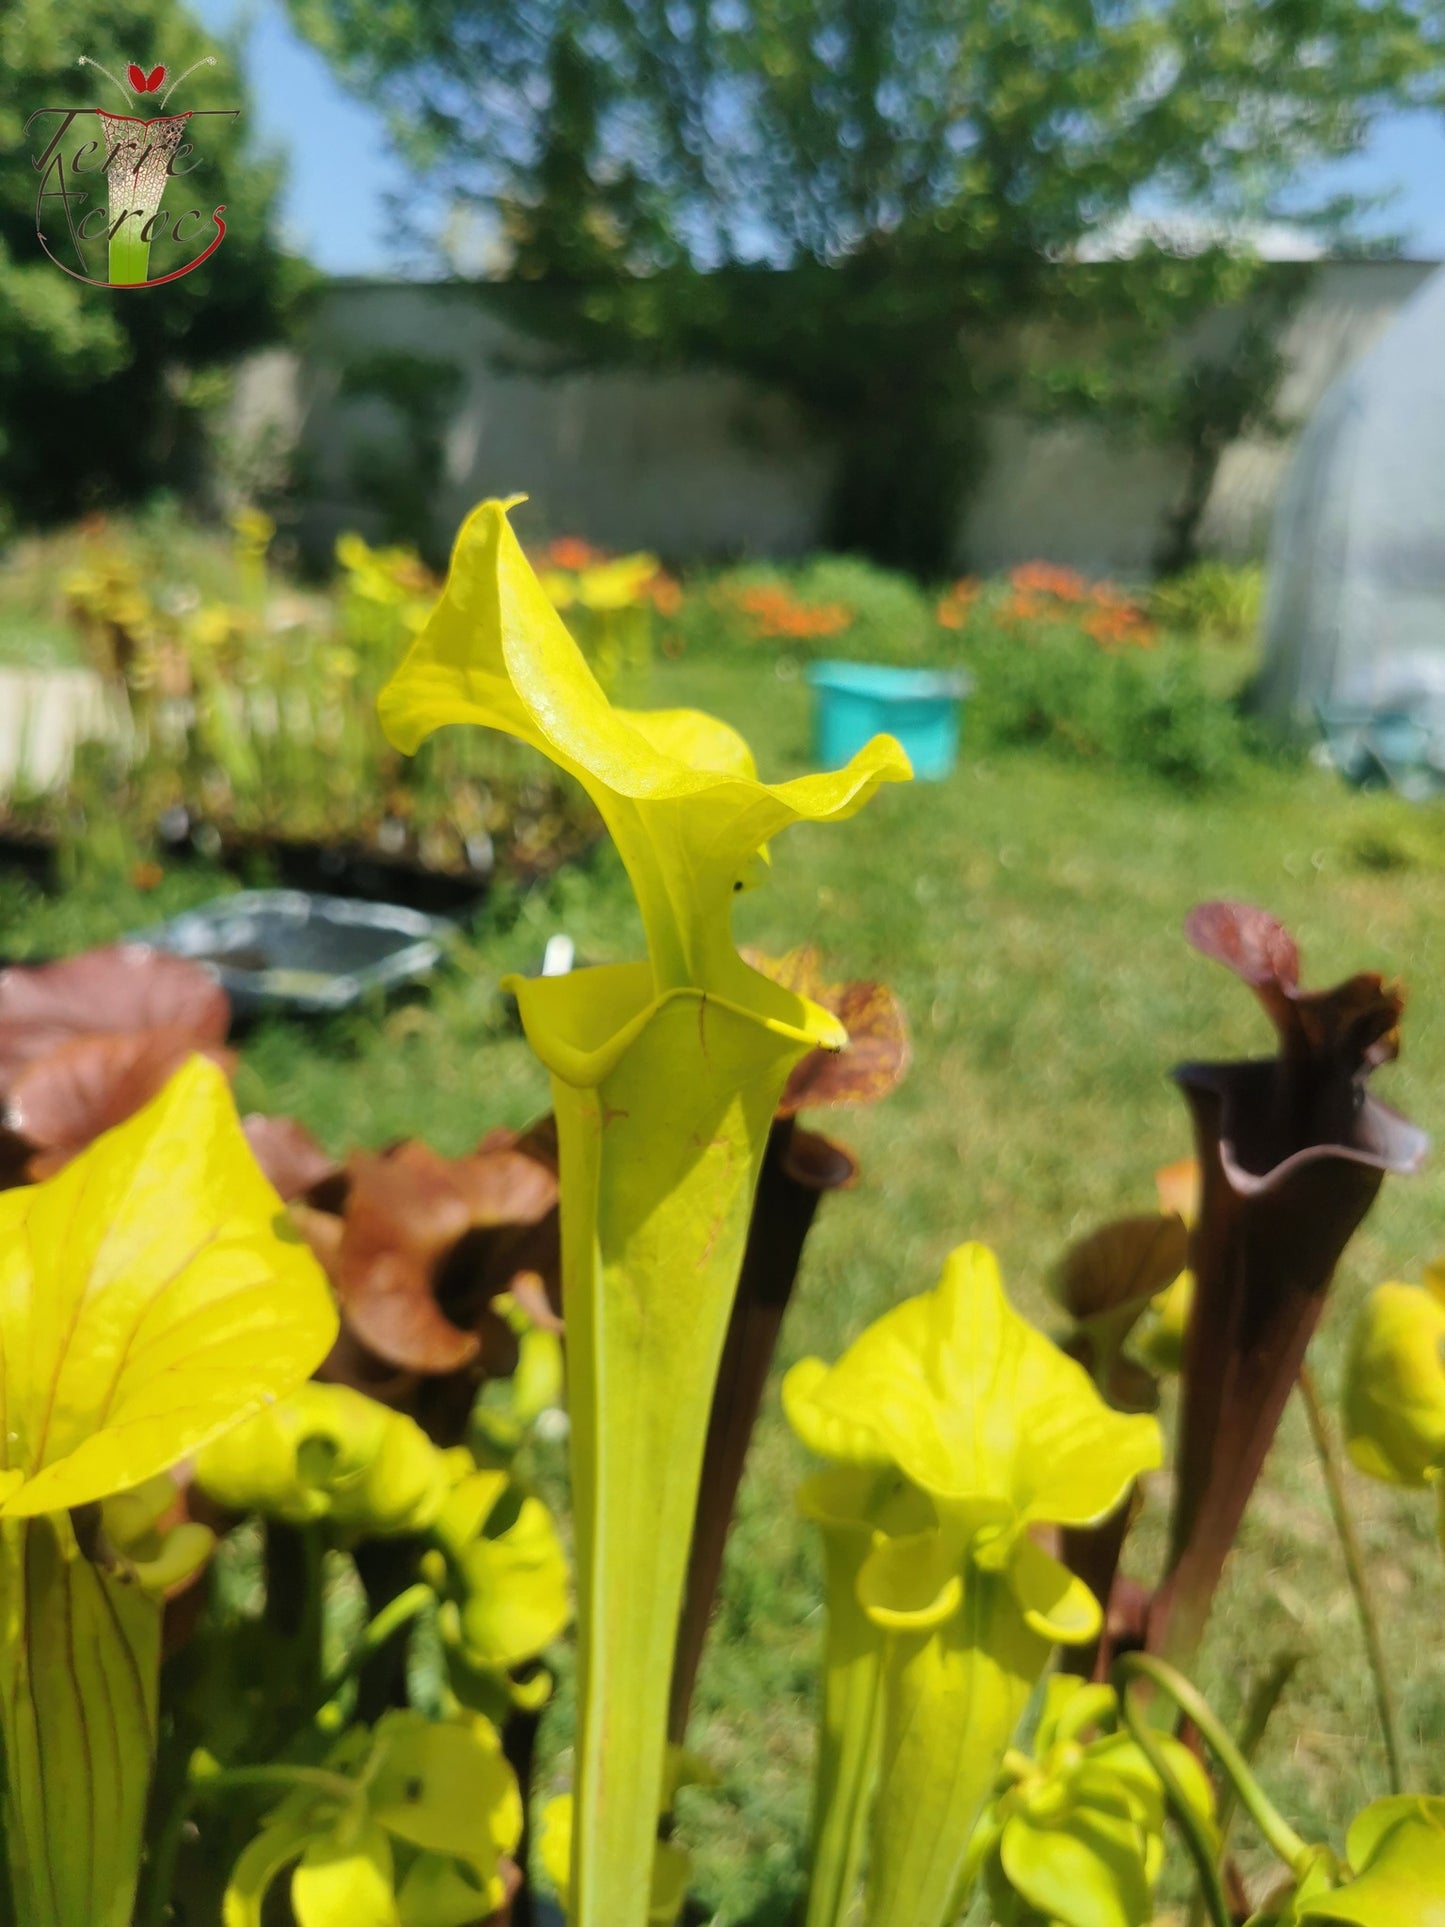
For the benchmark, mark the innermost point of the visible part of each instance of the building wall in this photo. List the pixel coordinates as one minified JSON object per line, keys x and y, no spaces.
{"x":711,"y":465}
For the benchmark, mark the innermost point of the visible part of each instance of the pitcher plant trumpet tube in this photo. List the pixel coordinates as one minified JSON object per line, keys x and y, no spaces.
{"x":665,"y":1076}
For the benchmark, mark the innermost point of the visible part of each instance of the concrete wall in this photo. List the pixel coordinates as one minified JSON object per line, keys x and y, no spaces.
{"x":698,"y":464}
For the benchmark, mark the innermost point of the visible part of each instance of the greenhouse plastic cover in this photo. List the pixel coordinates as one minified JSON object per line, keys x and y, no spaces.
{"x":1355,"y":621}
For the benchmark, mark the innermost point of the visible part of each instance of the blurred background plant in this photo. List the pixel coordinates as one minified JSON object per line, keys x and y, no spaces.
{"x":1219,"y":601}
{"x":242,"y":710}
{"x":1092,"y":671}
{"x":232,"y":706}
{"x":102,"y":400}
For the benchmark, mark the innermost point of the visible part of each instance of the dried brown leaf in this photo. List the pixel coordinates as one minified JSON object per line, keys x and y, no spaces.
{"x":427,"y":1242}
{"x":61,"y":1102}
{"x":1122,"y":1264}
{"x":294,"y":1162}
{"x":121,"y":989}
{"x":877,"y":1054}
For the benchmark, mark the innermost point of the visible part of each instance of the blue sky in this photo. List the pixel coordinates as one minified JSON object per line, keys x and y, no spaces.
{"x":341,"y":172}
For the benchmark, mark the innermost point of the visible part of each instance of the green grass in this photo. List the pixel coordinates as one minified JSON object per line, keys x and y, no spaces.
{"x":1029,"y":914}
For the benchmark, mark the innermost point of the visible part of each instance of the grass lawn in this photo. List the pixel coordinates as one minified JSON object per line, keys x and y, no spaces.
{"x":1028,"y":912}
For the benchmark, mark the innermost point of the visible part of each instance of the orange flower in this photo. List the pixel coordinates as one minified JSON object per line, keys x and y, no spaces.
{"x":1026,"y":608}
{"x":1046,"y":578}
{"x":777,"y":614}
{"x":570,"y":552}
{"x":1119,"y":623}
{"x":953,"y":609}
{"x":665,"y":593}
{"x":1042,"y":593}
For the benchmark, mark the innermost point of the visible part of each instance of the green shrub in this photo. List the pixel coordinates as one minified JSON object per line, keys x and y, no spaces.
{"x":1150,"y":713}
{"x":1215,"y":601}
{"x":893,"y":618}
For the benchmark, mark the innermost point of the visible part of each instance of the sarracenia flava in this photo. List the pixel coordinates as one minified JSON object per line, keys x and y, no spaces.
{"x":665,"y":1075}
{"x":955,"y":1429}
{"x":150,"y":1296}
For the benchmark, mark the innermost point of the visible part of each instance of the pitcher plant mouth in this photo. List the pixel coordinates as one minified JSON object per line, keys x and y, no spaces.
{"x":583,"y":1025}
{"x":665,"y":1077}
{"x":678,"y":790}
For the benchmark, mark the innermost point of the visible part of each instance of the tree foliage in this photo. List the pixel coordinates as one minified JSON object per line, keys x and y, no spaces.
{"x":925,"y":167}
{"x":98,"y":397}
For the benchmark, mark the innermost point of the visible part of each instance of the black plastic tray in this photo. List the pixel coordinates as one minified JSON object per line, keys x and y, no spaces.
{"x":292,"y":950}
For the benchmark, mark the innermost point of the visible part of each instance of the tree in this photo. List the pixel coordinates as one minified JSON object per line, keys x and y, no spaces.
{"x":98,"y":396}
{"x":926,"y":168}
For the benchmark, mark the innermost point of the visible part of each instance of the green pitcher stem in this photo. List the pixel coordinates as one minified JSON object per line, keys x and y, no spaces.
{"x":283,"y":1778}
{"x":1259,"y":1709}
{"x":393,"y":1616}
{"x":639,"y":1402}
{"x":1211,"y":1885}
{"x":1333,"y":1474}
{"x":848,"y":1741}
{"x":1278,"y":1834}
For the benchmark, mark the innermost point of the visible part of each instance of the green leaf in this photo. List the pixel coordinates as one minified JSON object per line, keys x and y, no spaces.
{"x":671,"y":1867}
{"x":329,"y":1452}
{"x":671,"y":1874}
{"x":1086,"y":1871}
{"x":1119,"y":1755}
{"x":1394,"y":1397}
{"x":274,"y":1847}
{"x":469,"y":1505}
{"x":1369,"y":1828}
{"x":1285,"y":1906}
{"x":151,"y":1295}
{"x":911,"y":1584}
{"x":1055,"y":1603}
{"x":658,"y":1169}
{"x":441,"y":1891}
{"x":952,"y":1699}
{"x":1071,"y":1706}
{"x":665,"y":1076}
{"x":1399,"y":1847}
{"x":445,"y":1786}
{"x":517,"y":1599}
{"x":850,"y":1719}
{"x":539,"y":1381}
{"x":79,"y":1663}
{"x":345,"y":1881}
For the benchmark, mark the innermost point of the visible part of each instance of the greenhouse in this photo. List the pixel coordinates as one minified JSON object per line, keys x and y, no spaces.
{"x":1355,"y":623}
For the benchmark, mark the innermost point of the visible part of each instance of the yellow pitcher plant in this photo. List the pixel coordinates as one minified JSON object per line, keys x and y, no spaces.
{"x":151,"y":1295}
{"x":1074,"y":1832}
{"x":1394,"y":1394}
{"x":955,"y":1429}
{"x":665,"y":1074}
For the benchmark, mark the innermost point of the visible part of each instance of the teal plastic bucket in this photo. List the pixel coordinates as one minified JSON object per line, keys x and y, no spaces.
{"x":921,"y":707}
